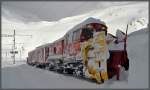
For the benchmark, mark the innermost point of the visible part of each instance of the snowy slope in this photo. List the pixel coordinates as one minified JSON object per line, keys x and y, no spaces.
{"x":24,"y":76}
{"x":116,"y":17}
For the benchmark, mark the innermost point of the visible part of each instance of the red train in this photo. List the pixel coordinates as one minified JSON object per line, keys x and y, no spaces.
{"x":68,"y":48}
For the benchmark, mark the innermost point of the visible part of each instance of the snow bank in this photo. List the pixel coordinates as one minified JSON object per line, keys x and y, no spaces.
{"x":138,"y":52}
{"x":138,"y":75}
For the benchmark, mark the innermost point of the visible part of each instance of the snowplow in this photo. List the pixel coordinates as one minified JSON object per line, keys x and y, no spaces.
{"x":87,"y":42}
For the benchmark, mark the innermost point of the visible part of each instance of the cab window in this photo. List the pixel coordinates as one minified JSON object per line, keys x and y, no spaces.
{"x":86,"y":34}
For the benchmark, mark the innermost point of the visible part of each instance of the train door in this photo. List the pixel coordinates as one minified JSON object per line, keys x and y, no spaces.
{"x":46,"y":53}
{"x":54,"y":50}
{"x":62,"y":43}
{"x":66,"y":45}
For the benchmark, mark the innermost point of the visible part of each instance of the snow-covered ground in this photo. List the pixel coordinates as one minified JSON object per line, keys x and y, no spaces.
{"x":10,"y":63}
{"x":24,"y":76}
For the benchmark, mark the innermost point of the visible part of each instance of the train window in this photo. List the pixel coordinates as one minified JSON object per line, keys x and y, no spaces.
{"x":66,"y":39}
{"x":76,"y":35}
{"x":101,"y":28}
{"x":54,"y":50}
{"x":86,"y":34}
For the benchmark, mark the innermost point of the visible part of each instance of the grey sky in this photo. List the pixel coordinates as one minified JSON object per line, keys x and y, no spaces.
{"x":30,"y":17}
{"x":51,"y":10}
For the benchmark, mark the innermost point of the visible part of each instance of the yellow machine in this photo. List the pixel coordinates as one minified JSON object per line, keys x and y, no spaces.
{"x":95,"y":54}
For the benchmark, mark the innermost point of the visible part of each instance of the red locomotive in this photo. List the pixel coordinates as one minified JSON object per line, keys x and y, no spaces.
{"x":69,"y":48}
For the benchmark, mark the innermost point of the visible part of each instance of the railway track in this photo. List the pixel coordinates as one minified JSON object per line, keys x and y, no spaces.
{"x":72,"y":75}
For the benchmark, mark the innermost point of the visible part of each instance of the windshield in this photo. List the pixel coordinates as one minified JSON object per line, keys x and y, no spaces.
{"x":89,"y":29}
{"x":86,"y":34}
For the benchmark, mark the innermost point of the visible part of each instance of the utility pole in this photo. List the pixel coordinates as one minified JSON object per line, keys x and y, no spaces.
{"x":6,"y":55}
{"x":14,"y":47}
{"x":14,"y":52}
{"x":20,"y":54}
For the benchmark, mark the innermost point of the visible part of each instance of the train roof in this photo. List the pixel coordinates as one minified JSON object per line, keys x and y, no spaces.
{"x":58,"y":39}
{"x":87,"y":21}
{"x":49,"y":44}
{"x":45,"y":45}
{"x":32,"y":51}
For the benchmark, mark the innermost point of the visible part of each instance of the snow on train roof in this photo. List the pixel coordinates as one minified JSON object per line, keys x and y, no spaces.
{"x":87,"y":21}
{"x":59,"y":39}
{"x":92,"y":20}
{"x":44,"y":45}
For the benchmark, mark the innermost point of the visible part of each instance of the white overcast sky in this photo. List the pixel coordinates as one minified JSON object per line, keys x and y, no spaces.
{"x":43,"y":19}
{"x":51,"y":10}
